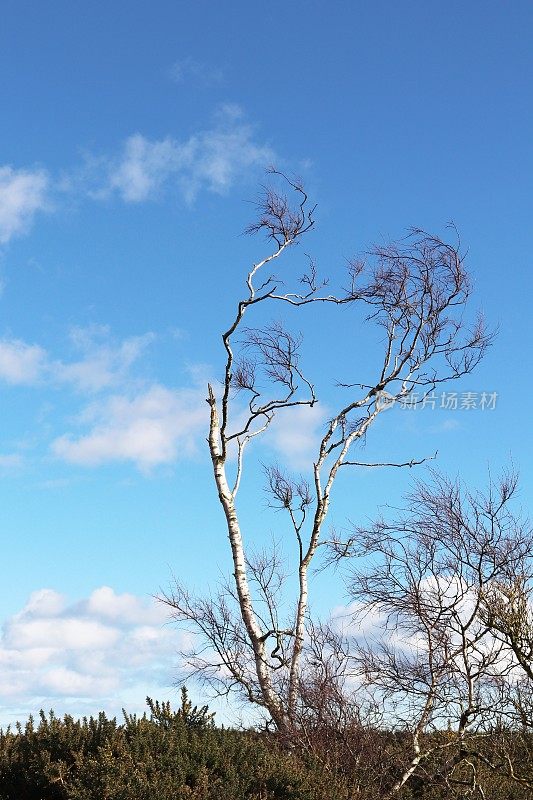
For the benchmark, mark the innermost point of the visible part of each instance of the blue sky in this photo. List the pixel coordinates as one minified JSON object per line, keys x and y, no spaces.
{"x":134,"y":137}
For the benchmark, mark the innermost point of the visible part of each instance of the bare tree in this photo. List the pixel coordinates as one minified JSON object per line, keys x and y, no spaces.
{"x":443,"y":681}
{"x":415,"y":291}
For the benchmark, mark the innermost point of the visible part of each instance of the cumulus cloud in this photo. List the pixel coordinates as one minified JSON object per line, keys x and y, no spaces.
{"x":122,"y":609}
{"x":212,"y":159}
{"x":149,"y":429}
{"x":100,"y":646}
{"x":23,"y":193}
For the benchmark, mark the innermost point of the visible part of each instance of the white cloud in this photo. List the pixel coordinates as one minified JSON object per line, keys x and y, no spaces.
{"x":150,"y":429}
{"x":122,"y":608}
{"x":44,"y":602}
{"x":62,"y":681}
{"x":22,"y":194}
{"x":213,"y":160}
{"x":147,"y":424}
{"x":145,"y":165}
{"x":21,"y":363}
{"x":90,"y":650}
{"x":74,"y":634}
{"x":104,"y":363}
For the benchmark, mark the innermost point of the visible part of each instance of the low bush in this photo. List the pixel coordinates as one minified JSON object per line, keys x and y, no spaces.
{"x":163,"y":755}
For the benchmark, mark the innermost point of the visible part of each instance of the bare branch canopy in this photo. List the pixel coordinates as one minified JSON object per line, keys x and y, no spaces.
{"x":415,"y":291}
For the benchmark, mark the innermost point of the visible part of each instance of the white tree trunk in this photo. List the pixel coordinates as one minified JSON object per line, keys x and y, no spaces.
{"x":257,"y":640}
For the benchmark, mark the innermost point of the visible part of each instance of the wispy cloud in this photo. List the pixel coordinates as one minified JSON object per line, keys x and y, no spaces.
{"x":10,"y":463}
{"x":93,"y":649}
{"x":104,"y":362}
{"x":23,"y":193}
{"x":21,"y":363}
{"x":189,"y":70}
{"x":211,"y":160}
{"x":151,"y":428}
{"x":445,"y":426}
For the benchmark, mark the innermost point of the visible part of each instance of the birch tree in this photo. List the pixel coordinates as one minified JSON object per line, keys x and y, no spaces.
{"x":415,"y":292}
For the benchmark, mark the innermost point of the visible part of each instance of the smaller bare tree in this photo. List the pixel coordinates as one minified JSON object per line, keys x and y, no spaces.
{"x":437,"y":671}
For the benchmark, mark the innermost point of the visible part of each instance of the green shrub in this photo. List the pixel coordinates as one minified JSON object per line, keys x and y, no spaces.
{"x":182,"y":755}
{"x":166,"y":755}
